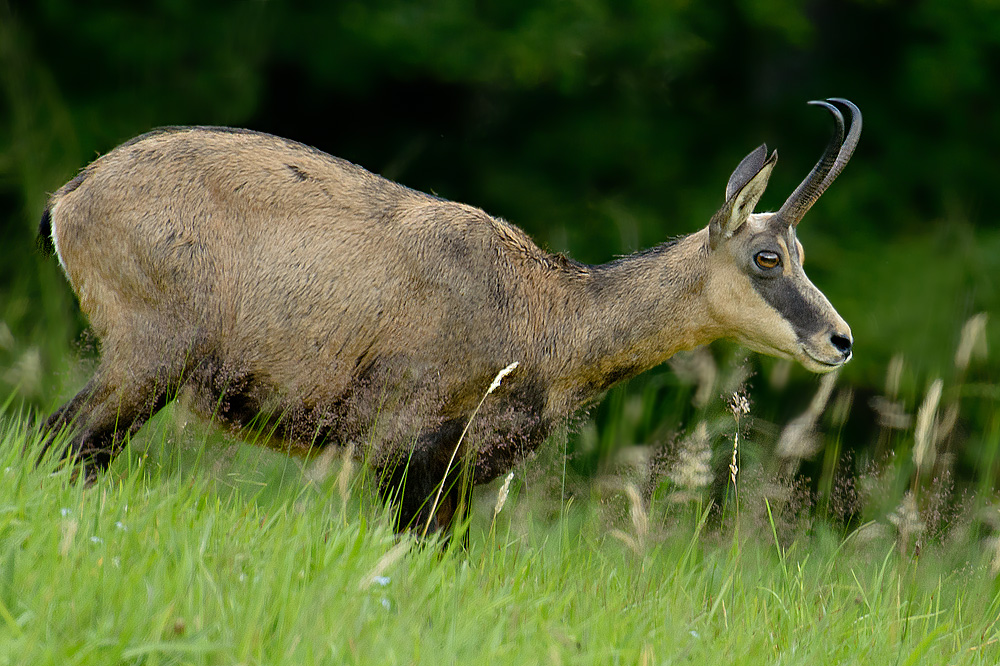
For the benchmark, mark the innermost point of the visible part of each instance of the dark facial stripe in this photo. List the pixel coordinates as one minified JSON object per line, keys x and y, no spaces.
{"x":784,"y":295}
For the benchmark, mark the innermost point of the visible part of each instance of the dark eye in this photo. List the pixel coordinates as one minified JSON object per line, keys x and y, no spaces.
{"x":767,"y":260}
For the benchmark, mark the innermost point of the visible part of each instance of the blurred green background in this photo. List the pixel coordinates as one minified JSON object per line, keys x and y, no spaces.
{"x":599,"y":127}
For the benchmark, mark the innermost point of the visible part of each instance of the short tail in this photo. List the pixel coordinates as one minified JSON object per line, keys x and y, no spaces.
{"x":44,"y":239}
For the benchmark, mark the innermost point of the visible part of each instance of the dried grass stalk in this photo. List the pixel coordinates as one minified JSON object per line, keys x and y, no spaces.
{"x":973,"y":341}
{"x":923,"y":449}
{"x":502,"y":495}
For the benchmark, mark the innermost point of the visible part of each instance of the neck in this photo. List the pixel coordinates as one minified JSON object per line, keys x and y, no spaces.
{"x":633,"y":314}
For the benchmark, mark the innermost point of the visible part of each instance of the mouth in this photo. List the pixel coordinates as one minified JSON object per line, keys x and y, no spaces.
{"x":820,"y":365}
{"x":810,"y":361}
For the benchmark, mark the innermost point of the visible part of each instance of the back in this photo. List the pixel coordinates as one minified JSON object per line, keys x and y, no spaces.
{"x":268,"y":252}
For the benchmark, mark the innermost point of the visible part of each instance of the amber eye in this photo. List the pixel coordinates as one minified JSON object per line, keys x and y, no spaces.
{"x":767,"y":259}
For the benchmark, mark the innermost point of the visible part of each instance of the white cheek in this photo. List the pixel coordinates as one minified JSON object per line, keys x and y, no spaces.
{"x":767,"y":331}
{"x":752,"y":321}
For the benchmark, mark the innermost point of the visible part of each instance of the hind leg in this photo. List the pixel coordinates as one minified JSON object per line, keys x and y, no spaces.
{"x":113,"y":405}
{"x":411,"y":487}
{"x":423,"y":490}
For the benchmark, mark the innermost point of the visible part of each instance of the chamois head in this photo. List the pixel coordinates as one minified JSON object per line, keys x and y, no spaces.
{"x":756,"y":285}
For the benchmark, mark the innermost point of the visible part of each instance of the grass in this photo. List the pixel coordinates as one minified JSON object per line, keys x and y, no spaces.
{"x":251,"y":558}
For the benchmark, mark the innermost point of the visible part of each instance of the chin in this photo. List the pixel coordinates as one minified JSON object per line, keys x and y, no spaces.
{"x":812,"y":364}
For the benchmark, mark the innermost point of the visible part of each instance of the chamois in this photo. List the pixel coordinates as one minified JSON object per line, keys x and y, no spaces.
{"x":263,"y":276}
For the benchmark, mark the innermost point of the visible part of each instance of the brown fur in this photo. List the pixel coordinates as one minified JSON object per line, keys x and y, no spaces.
{"x":264,"y":275}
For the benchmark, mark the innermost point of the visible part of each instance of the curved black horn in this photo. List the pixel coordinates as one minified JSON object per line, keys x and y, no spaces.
{"x":834,"y":158}
{"x":850,"y":143}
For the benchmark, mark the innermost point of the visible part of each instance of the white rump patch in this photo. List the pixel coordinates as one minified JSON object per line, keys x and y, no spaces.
{"x":55,"y":242}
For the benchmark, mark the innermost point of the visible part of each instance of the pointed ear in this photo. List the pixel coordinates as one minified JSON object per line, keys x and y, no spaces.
{"x":743,"y":191}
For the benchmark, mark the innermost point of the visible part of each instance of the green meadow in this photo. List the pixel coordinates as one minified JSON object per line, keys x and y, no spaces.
{"x":252,"y":558}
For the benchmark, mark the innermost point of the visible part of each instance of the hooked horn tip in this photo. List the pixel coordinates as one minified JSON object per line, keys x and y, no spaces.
{"x":829,"y":107}
{"x":855,"y":111}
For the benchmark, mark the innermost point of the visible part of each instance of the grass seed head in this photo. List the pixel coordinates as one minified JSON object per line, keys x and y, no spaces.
{"x":891,"y":413}
{"x":345,"y":475}
{"x":907,"y":519}
{"x":6,"y":337}
{"x":637,"y":511}
{"x":500,"y":375}
{"x":26,"y":373}
{"x":972,"y":343}
{"x":893,"y":376}
{"x":697,"y":367}
{"x":993,"y":549}
{"x":841,"y":408}
{"x":502,"y":494}
{"x":799,"y":439}
{"x":739,"y":405}
{"x":693,"y":470}
{"x":924,"y":434}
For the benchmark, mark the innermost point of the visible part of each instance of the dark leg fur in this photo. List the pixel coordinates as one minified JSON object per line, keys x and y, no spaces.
{"x":411,"y":485}
{"x":107,"y":410}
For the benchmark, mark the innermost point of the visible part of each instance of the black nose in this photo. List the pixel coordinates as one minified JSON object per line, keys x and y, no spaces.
{"x":843,"y":343}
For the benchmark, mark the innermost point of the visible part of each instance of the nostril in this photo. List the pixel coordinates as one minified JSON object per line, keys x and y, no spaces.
{"x":842,"y":343}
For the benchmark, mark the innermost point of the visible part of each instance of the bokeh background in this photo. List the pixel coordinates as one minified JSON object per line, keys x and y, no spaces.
{"x":600,"y":127}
